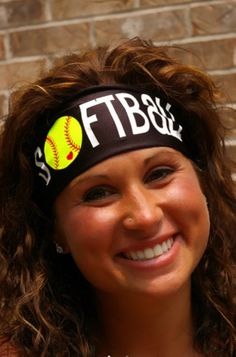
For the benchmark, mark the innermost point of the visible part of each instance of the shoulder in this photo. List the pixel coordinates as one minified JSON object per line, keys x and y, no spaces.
{"x":7,"y":350}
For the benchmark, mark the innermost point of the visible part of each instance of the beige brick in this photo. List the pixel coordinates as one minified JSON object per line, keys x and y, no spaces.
{"x":15,"y":74}
{"x":217,"y":54}
{"x":144,"y":3}
{"x":2,"y":49}
{"x":227,"y":83}
{"x":157,"y":26}
{"x":22,"y":12}
{"x":211,"y":19}
{"x":25,"y":12}
{"x":3,"y":16}
{"x":62,"y":9}
{"x":50,"y":40}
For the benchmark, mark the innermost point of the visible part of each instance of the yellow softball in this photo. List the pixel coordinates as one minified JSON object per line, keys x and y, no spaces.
{"x":63,"y":142}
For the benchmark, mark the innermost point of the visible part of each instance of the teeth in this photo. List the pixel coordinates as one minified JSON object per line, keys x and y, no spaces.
{"x":158,"y":250}
{"x":140,"y":255}
{"x":150,"y":253}
{"x":168,"y":243}
{"x":164,"y":247}
{"x":134,"y":255}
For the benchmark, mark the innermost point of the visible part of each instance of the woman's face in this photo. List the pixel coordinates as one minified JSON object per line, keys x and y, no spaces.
{"x":137,"y":222}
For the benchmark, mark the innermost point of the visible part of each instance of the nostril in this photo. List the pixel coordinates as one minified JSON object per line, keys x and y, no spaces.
{"x":129,"y":220}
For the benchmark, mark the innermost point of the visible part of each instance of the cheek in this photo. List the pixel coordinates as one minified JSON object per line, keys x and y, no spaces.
{"x":190,"y":208}
{"x":88,"y":229}
{"x":89,"y":236}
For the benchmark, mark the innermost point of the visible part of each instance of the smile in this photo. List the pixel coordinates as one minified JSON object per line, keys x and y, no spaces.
{"x":150,"y":253}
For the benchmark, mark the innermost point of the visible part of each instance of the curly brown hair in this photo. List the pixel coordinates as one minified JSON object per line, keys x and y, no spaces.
{"x":43,"y":312}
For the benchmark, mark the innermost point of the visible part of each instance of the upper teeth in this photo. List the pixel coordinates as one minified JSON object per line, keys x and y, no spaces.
{"x":150,"y":253}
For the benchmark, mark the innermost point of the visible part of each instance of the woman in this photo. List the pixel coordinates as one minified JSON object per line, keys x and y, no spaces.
{"x":117,"y":211}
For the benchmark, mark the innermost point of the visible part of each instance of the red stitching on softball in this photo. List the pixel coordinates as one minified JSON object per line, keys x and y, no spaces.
{"x":68,"y":137}
{"x":51,"y":142}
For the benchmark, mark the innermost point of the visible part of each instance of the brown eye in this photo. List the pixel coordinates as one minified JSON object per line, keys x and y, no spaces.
{"x":158,"y":174}
{"x":97,"y":193}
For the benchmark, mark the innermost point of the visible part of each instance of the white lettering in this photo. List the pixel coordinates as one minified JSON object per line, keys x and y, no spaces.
{"x":46,"y":175}
{"x":131,"y":111}
{"x":147,"y":100}
{"x":88,"y":120}
{"x":107,"y":100}
{"x":161,"y":118}
{"x":171,"y":120}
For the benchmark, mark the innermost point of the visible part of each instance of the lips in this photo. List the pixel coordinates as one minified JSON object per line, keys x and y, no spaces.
{"x":150,"y":253}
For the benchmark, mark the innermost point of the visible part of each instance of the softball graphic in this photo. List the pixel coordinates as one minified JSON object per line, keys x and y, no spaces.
{"x":63,"y":142}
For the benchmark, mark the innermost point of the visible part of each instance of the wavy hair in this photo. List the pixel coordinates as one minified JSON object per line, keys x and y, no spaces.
{"x":43,"y":311}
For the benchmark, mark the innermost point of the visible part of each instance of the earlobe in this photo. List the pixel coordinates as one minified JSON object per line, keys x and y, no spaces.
{"x":59,"y":249}
{"x":206,"y":200}
{"x":60,"y":241}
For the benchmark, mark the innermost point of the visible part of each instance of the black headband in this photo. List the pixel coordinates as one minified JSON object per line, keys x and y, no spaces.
{"x":101,"y":122}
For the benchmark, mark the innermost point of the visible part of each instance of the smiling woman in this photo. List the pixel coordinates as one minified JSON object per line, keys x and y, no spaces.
{"x":150,"y":223}
{"x":118,"y":211}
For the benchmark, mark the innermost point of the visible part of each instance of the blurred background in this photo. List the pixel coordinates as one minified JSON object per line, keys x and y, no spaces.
{"x":35,"y":32}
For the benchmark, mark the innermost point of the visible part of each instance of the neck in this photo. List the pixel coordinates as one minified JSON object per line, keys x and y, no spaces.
{"x":144,"y":326}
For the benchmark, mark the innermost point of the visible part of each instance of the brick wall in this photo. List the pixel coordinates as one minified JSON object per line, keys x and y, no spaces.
{"x":33,"y":32}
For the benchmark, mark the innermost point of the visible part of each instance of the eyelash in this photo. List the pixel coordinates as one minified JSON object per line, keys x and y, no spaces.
{"x":160,"y":172}
{"x":99,"y":193}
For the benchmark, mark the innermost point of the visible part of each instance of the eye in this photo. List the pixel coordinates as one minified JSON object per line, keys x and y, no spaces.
{"x":158,"y":174}
{"x":98,"y":193}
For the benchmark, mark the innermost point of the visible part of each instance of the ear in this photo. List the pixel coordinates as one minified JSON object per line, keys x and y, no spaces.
{"x":59,"y":237}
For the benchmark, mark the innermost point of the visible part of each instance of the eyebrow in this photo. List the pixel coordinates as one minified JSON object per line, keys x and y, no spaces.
{"x":162,"y":152}
{"x":150,"y":158}
{"x":79,"y":181}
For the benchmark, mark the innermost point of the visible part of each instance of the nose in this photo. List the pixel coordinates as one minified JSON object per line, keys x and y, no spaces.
{"x":143,"y":211}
